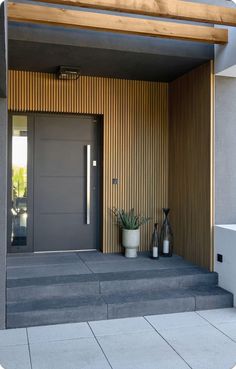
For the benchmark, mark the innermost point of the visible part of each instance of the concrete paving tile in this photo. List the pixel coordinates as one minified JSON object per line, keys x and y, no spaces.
{"x":173,"y":321}
{"x":136,"y":264}
{"x":83,"y":353}
{"x":12,"y":337}
{"x":59,"y":332}
{"x":202,"y":347}
{"x":95,"y":256}
{"x":219,"y":315}
{"x":120,"y":326}
{"x":41,"y":259}
{"x":227,"y":328}
{"x":140,"y":351}
{"x":48,"y":270}
{"x":15,"y":357}
{"x":114,"y":266}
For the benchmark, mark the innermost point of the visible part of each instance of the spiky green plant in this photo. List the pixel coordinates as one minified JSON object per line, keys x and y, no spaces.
{"x":128,"y":219}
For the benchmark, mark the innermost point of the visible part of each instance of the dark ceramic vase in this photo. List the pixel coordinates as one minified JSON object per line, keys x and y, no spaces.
{"x":166,"y":237}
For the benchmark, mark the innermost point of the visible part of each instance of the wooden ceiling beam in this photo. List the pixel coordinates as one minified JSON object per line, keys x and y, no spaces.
{"x":174,"y":9}
{"x":23,"y":12}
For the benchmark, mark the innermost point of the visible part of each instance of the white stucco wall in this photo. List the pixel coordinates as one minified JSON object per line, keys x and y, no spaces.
{"x":225,"y":244}
{"x":225,"y":55}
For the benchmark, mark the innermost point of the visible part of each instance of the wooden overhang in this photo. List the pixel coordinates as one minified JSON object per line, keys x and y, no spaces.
{"x":58,"y":16}
{"x":173,"y":9}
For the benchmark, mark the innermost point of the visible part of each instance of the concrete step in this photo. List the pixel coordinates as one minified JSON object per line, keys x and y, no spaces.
{"x":116,"y":305}
{"x":156,"y":280}
{"x":166,"y":302}
{"x":27,"y":289}
{"x":55,"y":311}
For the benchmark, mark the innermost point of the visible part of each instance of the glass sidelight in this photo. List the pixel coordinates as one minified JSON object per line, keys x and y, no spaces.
{"x":19,"y":190}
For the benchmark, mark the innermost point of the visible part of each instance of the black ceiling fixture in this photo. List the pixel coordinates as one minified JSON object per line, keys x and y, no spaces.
{"x":68,"y":73}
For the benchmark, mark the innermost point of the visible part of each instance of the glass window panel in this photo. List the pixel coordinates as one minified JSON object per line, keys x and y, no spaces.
{"x":19,"y":180}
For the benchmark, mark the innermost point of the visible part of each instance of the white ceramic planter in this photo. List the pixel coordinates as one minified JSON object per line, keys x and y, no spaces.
{"x":131,"y":242}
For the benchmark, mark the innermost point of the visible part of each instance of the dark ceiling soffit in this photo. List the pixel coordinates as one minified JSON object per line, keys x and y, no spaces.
{"x":109,"y":41}
{"x":100,"y":62}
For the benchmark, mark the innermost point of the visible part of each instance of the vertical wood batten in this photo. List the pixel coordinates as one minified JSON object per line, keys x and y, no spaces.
{"x":190,"y":150}
{"x":135,"y":147}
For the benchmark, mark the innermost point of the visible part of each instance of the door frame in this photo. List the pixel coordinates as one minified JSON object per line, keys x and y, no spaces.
{"x":31,"y":117}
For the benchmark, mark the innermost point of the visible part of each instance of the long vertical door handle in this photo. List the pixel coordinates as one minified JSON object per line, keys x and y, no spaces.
{"x":88,"y":194}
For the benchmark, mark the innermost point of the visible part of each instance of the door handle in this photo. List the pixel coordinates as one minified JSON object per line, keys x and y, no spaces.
{"x":88,"y":184}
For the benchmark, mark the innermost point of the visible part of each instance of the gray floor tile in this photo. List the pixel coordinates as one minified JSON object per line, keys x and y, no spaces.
{"x":203,"y":347}
{"x":48,"y":270}
{"x":59,"y":332}
{"x":95,"y":256}
{"x":179,"y":320}
{"x":36,"y":265}
{"x":140,"y":351}
{"x":41,"y":259}
{"x":219,"y":315}
{"x":15,"y":357}
{"x":120,"y":326}
{"x":84,"y":353}
{"x":227,"y":328}
{"x":136,"y":264}
{"x":12,"y":337}
{"x":113,"y":266}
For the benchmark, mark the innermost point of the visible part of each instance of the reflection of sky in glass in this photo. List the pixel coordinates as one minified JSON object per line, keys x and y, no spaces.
{"x":19,"y":151}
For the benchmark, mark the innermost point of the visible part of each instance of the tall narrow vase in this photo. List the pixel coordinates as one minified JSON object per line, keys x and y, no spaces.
{"x":154,"y":251}
{"x":166,"y":235}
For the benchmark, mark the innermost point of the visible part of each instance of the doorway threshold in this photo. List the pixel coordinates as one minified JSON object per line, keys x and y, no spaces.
{"x":64,"y":251}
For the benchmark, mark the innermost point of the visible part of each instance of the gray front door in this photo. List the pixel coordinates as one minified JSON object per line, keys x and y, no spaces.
{"x":66,"y":182}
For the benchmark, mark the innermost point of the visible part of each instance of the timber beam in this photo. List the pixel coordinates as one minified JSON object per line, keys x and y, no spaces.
{"x":174,"y":9}
{"x":24,"y":12}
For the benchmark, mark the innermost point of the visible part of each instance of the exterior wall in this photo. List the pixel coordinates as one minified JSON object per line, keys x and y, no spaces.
{"x":3,"y":208}
{"x":190,"y":164}
{"x":3,"y":163}
{"x":225,"y":56}
{"x":225,"y":241}
{"x":135,"y":116}
{"x":225,"y":151}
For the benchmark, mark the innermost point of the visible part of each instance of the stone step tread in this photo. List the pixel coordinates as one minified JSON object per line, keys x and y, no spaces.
{"x":163,"y":295}
{"x":117,"y":298}
{"x":55,"y":303}
{"x":73,"y":314}
{"x":114,"y":306}
{"x":106,"y":277}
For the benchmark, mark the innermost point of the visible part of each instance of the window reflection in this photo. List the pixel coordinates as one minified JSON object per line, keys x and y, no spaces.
{"x":19,"y":180}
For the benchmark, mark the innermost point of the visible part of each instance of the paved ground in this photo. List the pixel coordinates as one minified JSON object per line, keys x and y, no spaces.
{"x":85,"y":263}
{"x":202,"y":340}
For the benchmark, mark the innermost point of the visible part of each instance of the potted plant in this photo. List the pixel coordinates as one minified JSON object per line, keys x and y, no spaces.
{"x":130,"y":224}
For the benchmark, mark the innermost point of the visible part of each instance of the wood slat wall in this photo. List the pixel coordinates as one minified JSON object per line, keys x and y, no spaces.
{"x":135,"y":116}
{"x":191,"y":164}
